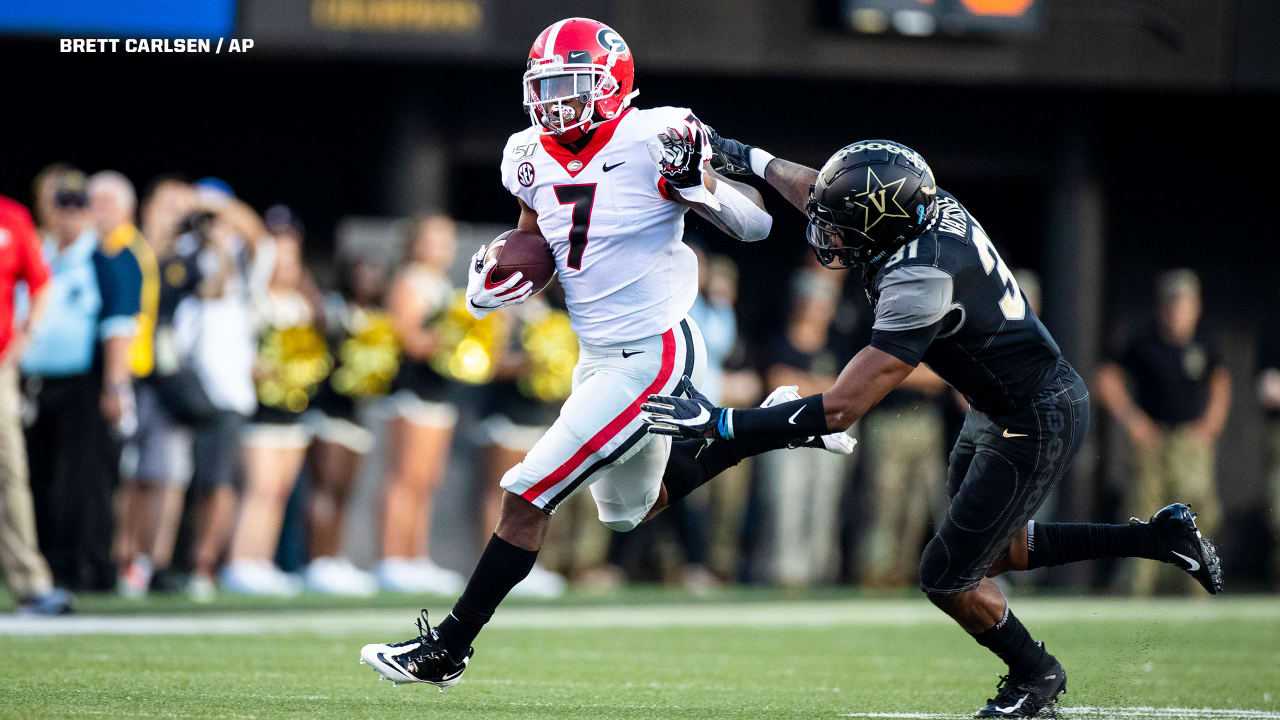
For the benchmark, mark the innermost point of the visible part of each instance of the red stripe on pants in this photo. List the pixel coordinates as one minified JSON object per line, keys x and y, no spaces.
{"x":615,"y":426}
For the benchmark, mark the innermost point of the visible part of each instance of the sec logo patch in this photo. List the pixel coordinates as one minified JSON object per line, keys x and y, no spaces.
{"x":524,"y":173}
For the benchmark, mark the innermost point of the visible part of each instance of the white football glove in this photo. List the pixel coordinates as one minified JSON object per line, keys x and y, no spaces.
{"x":485,"y":296}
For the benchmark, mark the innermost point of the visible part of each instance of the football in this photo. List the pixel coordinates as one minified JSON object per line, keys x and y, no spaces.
{"x":524,"y":252}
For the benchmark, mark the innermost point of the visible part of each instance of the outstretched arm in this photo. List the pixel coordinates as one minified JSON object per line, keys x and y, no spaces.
{"x":868,"y":377}
{"x":914,"y":303}
{"x":791,"y":180}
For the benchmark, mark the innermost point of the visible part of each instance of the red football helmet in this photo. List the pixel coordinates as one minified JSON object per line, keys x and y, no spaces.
{"x":577,"y":59}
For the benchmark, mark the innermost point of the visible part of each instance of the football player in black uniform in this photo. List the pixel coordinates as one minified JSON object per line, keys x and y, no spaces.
{"x":942,"y":295}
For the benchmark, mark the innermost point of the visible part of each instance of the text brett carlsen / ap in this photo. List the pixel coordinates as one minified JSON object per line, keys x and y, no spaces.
{"x":154,"y":45}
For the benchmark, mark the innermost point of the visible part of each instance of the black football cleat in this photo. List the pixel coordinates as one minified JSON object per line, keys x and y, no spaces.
{"x":422,"y":659}
{"x":1026,"y":697}
{"x":1182,"y":544}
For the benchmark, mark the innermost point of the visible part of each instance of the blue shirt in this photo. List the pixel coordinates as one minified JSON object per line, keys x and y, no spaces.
{"x":91,"y":296}
{"x":719,"y":328}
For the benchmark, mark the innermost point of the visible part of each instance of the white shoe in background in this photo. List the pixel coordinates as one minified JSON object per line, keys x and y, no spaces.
{"x":400,"y":575}
{"x":257,"y":577}
{"x":201,"y":589}
{"x":287,"y":584}
{"x":337,"y":576}
{"x":441,"y":581}
{"x":540,"y":583}
{"x":418,"y":575}
{"x":136,"y":578}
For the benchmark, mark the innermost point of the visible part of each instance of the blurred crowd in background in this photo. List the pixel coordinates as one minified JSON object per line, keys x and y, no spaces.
{"x":186,"y":406}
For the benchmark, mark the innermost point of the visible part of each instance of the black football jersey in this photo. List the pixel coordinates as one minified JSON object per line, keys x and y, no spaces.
{"x":947,"y":298}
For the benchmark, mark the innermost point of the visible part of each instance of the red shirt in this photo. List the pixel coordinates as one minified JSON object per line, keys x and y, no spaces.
{"x":20,"y":259}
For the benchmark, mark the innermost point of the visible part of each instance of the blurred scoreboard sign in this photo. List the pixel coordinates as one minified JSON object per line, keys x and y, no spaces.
{"x":439,"y":28}
{"x":402,"y":16}
{"x":165,"y":18}
{"x":944,"y":17}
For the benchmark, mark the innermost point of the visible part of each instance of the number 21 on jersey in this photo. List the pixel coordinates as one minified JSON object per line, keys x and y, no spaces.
{"x":1012,"y":305}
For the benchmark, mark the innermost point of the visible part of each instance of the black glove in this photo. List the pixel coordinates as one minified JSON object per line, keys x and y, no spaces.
{"x":692,"y":416}
{"x":678,"y":155}
{"x":729,"y":157}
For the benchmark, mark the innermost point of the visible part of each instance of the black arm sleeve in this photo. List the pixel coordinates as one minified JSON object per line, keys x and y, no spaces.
{"x":909,"y":346}
{"x":796,"y":419}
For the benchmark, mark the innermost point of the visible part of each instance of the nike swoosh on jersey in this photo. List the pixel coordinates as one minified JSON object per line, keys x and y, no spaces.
{"x":792,"y":419}
{"x":626,"y":354}
{"x":1192,"y":564}
{"x":606,"y":167}
{"x":1013,"y":435}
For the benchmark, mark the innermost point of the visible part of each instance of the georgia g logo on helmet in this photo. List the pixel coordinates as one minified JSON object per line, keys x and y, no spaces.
{"x":611,"y":40}
{"x":871,"y":197}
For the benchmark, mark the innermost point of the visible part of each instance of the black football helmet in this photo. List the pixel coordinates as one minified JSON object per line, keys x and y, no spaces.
{"x":871,"y":198}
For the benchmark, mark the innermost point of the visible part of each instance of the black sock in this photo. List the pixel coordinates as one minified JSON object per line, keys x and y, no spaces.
{"x":694,"y":462}
{"x":1011,"y":642}
{"x":1061,"y":543}
{"x":501,"y":567}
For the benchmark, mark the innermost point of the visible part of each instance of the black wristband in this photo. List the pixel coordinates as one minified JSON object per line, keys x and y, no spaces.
{"x":799,"y":418}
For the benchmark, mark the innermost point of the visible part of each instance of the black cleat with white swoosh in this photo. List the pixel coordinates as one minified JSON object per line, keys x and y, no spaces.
{"x":1026,"y":697}
{"x":1182,"y":544}
{"x":422,"y":659}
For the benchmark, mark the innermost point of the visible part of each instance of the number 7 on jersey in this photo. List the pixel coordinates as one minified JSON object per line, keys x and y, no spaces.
{"x":582,"y":197}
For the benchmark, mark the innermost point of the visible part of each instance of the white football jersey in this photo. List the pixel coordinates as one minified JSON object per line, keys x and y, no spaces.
{"x":618,"y":241}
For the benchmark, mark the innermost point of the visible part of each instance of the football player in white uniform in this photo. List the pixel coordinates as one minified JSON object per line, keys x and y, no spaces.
{"x":607,"y":185}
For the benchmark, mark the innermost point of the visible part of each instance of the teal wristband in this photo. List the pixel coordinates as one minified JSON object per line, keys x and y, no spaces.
{"x":724,"y":427}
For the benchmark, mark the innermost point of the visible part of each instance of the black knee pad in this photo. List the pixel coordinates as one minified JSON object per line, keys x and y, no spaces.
{"x":935,"y":564}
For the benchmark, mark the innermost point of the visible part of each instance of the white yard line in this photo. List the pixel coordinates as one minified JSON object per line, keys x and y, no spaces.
{"x":746,"y":614}
{"x":1128,"y":713}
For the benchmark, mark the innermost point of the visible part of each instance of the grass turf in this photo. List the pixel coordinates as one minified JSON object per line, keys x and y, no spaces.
{"x":757,"y":657}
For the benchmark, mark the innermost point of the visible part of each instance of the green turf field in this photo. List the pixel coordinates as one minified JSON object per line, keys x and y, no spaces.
{"x":642,"y":655}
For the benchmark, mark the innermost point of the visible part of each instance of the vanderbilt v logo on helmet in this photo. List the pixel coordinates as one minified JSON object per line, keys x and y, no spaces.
{"x":871,"y":198}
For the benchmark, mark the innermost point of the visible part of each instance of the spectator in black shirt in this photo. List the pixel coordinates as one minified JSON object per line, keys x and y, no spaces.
{"x":801,"y":519}
{"x":1168,"y":388}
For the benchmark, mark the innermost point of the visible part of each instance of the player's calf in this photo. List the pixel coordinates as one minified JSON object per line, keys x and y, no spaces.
{"x":1169,"y":536}
{"x":522,"y":523}
{"x":1035,"y":678}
